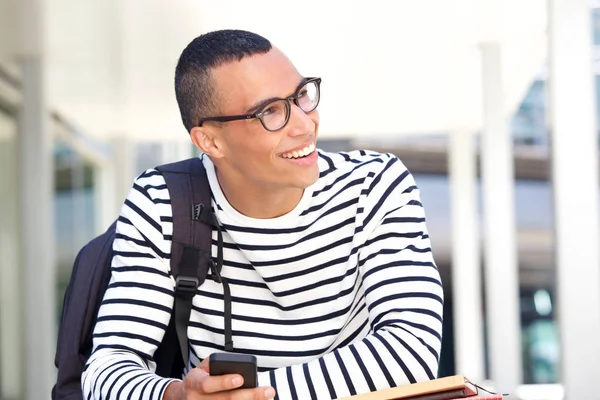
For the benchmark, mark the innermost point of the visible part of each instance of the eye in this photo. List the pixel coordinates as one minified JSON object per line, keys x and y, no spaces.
{"x":268,"y":110}
{"x":302,"y":93}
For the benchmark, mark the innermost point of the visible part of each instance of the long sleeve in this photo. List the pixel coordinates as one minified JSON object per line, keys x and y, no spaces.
{"x":403,"y":295}
{"x":137,"y":305}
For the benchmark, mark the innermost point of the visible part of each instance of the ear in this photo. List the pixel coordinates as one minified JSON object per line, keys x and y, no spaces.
{"x":207,"y":141}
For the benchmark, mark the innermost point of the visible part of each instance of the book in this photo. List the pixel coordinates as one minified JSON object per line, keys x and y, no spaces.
{"x":457,"y":386}
{"x":446,"y":395}
{"x":459,"y":394}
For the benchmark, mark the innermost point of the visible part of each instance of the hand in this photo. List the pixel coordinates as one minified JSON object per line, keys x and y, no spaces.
{"x":199,"y":385}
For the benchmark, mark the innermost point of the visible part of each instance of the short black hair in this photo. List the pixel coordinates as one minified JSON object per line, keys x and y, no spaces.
{"x":194,"y":89}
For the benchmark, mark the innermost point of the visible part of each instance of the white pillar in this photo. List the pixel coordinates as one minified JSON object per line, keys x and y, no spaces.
{"x":124,"y":157}
{"x":575,"y":189}
{"x":113,"y":180}
{"x":500,"y":254}
{"x":36,"y":180}
{"x":466,"y":266}
{"x":12,"y":367}
{"x":107,"y":204}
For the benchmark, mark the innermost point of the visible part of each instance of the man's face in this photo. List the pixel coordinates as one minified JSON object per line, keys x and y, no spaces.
{"x":248,"y":153}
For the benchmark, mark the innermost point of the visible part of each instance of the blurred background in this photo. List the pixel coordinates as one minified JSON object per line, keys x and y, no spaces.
{"x":492,"y":105}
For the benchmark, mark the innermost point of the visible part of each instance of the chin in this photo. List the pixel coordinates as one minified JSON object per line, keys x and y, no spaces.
{"x":308,"y":179}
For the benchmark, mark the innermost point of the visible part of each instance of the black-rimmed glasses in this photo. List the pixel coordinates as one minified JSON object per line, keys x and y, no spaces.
{"x":276,"y":114}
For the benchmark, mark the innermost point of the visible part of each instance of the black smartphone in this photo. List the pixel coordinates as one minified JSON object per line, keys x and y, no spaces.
{"x":233,"y":363}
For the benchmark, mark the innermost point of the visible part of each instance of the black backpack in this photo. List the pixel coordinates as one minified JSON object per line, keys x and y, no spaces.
{"x":191,"y":260}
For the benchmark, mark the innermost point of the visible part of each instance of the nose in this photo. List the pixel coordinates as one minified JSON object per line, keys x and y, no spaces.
{"x":300,"y":123}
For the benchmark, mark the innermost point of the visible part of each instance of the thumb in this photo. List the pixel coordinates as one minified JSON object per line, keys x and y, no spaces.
{"x":204,"y":366}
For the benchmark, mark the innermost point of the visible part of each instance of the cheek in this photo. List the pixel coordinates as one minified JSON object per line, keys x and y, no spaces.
{"x":254,"y":149}
{"x":315,"y":117}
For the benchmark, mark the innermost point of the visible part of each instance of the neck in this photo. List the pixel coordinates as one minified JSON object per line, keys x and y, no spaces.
{"x":256,"y":201}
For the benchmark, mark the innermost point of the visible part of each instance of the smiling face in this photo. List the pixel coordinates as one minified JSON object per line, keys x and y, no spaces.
{"x":246,"y":155}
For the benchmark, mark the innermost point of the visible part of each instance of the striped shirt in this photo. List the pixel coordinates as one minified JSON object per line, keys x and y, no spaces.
{"x":338,"y":297}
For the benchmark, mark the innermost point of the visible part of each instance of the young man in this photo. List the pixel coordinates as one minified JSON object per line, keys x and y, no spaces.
{"x":327,"y":256}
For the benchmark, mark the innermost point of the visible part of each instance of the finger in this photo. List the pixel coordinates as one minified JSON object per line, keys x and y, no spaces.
{"x":204,"y":365}
{"x":260,"y":393}
{"x":200,"y":381}
{"x":268,"y":392}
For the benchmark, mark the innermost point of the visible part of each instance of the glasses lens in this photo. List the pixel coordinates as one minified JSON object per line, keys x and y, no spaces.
{"x":308,"y":96}
{"x":275,"y":115}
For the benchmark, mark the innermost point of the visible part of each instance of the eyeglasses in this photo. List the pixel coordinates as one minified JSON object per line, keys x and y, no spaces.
{"x":276,"y":113}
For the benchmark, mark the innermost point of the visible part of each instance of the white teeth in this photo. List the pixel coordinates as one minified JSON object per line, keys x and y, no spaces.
{"x":300,"y":153}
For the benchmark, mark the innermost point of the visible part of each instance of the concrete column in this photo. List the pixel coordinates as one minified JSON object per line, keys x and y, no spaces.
{"x":500,"y":255}
{"x":36,"y":173}
{"x":575,"y":188}
{"x":113,"y":179}
{"x":466,"y":266}
{"x":107,"y":203}
{"x":12,"y":368}
{"x":124,"y":157}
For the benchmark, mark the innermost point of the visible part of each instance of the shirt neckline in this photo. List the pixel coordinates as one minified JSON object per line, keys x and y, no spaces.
{"x":232,"y":215}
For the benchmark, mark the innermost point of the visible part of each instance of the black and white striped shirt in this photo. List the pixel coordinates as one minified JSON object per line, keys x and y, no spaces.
{"x":338,"y":297}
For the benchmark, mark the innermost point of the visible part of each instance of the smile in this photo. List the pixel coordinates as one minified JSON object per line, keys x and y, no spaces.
{"x":308,"y":150}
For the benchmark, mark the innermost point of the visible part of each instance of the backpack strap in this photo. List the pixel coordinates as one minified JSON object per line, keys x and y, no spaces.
{"x":193,"y":221}
{"x":189,"y":191}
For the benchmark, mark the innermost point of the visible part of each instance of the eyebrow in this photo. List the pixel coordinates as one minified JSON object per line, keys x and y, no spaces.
{"x":261,"y":103}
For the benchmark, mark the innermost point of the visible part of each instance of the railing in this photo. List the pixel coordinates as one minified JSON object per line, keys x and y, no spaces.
{"x":93,"y":151}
